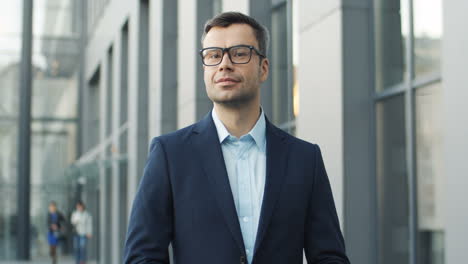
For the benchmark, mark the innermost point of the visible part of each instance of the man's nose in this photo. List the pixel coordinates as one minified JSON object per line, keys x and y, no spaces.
{"x":226,"y":63}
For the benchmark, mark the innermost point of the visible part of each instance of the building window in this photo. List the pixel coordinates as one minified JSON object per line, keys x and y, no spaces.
{"x":392,"y":181}
{"x":409,"y":140}
{"x":282,"y":66}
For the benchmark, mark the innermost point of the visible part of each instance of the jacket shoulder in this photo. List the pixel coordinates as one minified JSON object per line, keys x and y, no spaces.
{"x":296,"y":142}
{"x":175,"y":139}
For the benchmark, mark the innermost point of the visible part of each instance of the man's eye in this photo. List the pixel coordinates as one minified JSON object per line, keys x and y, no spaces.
{"x":240,"y":54}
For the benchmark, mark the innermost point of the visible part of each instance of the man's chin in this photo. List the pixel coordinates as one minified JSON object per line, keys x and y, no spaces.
{"x":232,"y":102}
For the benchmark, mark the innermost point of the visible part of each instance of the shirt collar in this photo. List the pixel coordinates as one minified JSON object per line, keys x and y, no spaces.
{"x":257,"y":132}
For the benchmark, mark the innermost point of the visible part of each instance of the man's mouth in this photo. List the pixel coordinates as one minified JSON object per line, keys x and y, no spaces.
{"x":226,"y":80}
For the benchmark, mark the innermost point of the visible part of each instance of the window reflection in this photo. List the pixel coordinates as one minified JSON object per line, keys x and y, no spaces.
{"x":55,"y":60}
{"x":279,"y":63}
{"x":10,"y":50}
{"x":391,"y":33}
{"x":392,"y":182}
{"x":430,"y":178}
{"x":427,"y":36}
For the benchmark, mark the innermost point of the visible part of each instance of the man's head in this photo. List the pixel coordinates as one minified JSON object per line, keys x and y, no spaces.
{"x":80,"y":206}
{"x":233,"y":77}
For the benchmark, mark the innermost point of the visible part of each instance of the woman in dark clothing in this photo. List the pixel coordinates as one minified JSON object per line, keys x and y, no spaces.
{"x":54,"y":222}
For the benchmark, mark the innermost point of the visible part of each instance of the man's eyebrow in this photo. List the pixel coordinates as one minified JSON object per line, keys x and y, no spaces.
{"x":243,"y":44}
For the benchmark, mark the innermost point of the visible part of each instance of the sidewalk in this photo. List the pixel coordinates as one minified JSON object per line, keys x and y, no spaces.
{"x":60,"y":261}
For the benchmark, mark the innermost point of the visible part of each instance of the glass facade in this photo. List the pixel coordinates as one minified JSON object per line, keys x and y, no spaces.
{"x":391,"y":35}
{"x":281,"y":65}
{"x":10,"y":57}
{"x":55,"y":64}
{"x":56,"y":52}
{"x":429,"y":174}
{"x":392,"y":182}
{"x":427,"y":36}
{"x":410,"y":180}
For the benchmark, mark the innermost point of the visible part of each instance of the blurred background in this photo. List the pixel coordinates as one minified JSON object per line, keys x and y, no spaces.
{"x":380,"y":85}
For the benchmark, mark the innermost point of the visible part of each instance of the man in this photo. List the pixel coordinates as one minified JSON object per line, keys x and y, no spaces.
{"x":233,"y":188}
{"x":83,"y":225}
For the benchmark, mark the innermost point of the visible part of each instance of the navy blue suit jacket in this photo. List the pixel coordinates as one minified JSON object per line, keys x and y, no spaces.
{"x":185,"y":199}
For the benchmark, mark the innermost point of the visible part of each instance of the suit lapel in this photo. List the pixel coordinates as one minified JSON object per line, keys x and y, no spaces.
{"x":275,"y":172}
{"x":206,"y":145}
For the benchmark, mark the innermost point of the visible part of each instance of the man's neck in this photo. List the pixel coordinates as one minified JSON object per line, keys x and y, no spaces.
{"x":238,"y":121}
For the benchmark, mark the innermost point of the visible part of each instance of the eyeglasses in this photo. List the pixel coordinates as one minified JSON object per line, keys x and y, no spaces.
{"x":240,"y":54}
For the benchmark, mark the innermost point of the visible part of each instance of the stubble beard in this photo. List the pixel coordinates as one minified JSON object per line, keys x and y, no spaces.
{"x":236,"y":102}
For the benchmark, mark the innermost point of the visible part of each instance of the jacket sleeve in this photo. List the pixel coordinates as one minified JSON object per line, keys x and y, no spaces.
{"x":324,"y":242}
{"x":74,"y":219}
{"x":150,"y":228}
{"x":48,"y":221}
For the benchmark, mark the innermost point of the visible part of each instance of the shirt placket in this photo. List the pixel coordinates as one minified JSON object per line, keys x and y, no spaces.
{"x":245,"y":196}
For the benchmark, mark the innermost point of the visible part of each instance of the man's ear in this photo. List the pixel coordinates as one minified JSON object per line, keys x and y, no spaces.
{"x":264,"y":69}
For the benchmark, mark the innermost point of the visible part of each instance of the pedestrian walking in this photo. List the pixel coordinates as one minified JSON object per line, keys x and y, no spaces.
{"x":55,"y":221}
{"x":82,"y":223}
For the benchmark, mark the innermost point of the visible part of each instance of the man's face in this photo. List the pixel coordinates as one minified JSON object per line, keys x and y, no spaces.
{"x":234,"y":84}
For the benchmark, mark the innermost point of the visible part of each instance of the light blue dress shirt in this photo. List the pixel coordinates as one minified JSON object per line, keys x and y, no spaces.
{"x":245,"y":160}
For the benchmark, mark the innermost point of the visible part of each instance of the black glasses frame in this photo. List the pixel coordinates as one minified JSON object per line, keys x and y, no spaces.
{"x":224,"y":50}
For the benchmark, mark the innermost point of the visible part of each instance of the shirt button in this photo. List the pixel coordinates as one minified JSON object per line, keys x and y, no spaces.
{"x":245,"y":219}
{"x":247,"y":251}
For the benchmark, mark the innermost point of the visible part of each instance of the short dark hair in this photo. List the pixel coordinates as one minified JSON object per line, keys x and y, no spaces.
{"x":228,"y":18}
{"x":81,"y":203}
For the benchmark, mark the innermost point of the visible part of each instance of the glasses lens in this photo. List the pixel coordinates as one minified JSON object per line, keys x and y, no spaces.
{"x":240,"y":54}
{"x":212,"y":56}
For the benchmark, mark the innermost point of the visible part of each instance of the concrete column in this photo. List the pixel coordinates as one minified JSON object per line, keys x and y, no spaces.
{"x":103,"y":183}
{"x":454,"y":86}
{"x":239,"y":6}
{"x":187,"y":59}
{"x":155,"y":67}
{"x":136,"y":160}
{"x":359,"y":188}
{"x":163,"y":67}
{"x":115,"y":242}
{"x":320,"y":118}
{"x":321,"y":86}
{"x":261,"y":11}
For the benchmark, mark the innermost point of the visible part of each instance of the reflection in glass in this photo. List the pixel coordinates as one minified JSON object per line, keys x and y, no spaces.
{"x":391,"y":33}
{"x":279,"y":64}
{"x":10,"y":50}
{"x":8,"y":194}
{"x":392,"y":182}
{"x":55,"y":61}
{"x":427,"y":36}
{"x":430,"y":178}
